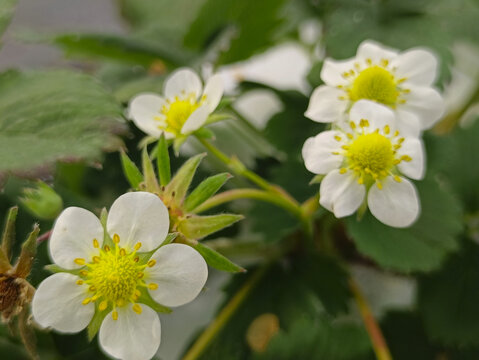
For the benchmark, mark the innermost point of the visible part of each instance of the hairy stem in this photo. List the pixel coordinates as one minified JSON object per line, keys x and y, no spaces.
{"x":378,"y":342}
{"x":205,"y":339}
{"x":271,"y":191}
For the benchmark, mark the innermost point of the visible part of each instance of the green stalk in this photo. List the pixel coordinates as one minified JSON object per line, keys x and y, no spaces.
{"x":205,"y":339}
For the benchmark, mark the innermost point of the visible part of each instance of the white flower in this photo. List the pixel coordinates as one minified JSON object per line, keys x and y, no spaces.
{"x":401,"y":81}
{"x":368,"y":158}
{"x":184,"y":109}
{"x":110,"y":276}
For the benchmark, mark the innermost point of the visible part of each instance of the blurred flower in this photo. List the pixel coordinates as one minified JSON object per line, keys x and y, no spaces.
{"x":401,"y":81}
{"x":107,"y":278}
{"x":368,"y":156}
{"x":42,"y":201}
{"x":184,"y":109}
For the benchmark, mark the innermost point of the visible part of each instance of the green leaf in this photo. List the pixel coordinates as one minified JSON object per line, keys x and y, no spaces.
{"x":53,"y":115}
{"x":131,"y":172}
{"x":206,"y":189}
{"x":7,"y":9}
{"x":197,"y":227}
{"x":248,"y":18}
{"x":114,"y":48}
{"x":151,"y":183}
{"x":401,"y":327}
{"x":318,"y":338}
{"x":216,"y":260}
{"x":282,"y":292}
{"x":42,"y":201}
{"x":180,"y":183}
{"x":448,"y":299}
{"x":421,"y":247}
{"x":163,"y":161}
{"x":454,"y":156}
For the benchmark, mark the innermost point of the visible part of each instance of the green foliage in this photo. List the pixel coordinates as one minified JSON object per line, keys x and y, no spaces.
{"x":421,"y":247}
{"x":42,"y":201}
{"x":318,"y":339}
{"x":206,"y":189}
{"x":7,"y":8}
{"x":198,"y":227}
{"x":54,"y":115}
{"x":448,"y":299}
{"x":131,"y":172}
{"x":246,"y":17}
{"x":216,"y":260}
{"x":114,"y":48}
{"x":286,"y":292}
{"x":163,"y":161}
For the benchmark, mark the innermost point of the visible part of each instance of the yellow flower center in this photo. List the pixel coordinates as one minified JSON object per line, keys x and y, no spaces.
{"x":371,"y":154}
{"x":375,"y":83}
{"x":177,"y":113}
{"x":115,"y":277}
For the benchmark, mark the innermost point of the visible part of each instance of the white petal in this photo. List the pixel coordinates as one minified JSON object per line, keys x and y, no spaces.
{"x":426,"y":103}
{"x":183,"y":82}
{"x":376,"y":52}
{"x":57,"y":303}
{"x":417,"y":66}
{"x":341,"y":193}
{"x":213,"y":92}
{"x":325,"y":104}
{"x":72,"y":237}
{"x":377,"y":115}
{"x":132,"y":336}
{"x":139,"y":217}
{"x":143,"y":109}
{"x":407,"y":123}
{"x":318,"y":152}
{"x":413,"y":169}
{"x":332,"y":71}
{"x":196,"y":120}
{"x":396,"y":204}
{"x":180,"y":273}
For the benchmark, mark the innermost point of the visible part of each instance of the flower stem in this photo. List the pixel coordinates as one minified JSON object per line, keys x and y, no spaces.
{"x":272,"y":193}
{"x":205,"y":339}
{"x":236,"y":165}
{"x":378,"y":342}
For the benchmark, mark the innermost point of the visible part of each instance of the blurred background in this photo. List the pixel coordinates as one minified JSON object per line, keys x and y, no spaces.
{"x":269,"y":53}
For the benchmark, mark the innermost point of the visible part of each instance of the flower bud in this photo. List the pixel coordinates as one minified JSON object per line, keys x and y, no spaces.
{"x":42,"y":201}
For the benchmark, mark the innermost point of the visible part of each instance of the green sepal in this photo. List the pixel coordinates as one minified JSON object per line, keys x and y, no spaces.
{"x":205,"y":133}
{"x":216,"y":260}
{"x":198,"y":227}
{"x":178,"y":142}
{"x":96,"y":321}
{"x":169,"y":239}
{"x":131,"y":171}
{"x":27,"y":255}
{"x":206,"y":189}
{"x":316,"y":179}
{"x":8,"y":235}
{"x":225,"y":101}
{"x":180,"y":183}
{"x":54,"y":268}
{"x":107,"y":240}
{"x":151,"y":183}
{"x":163,"y":161}
{"x":145,"y":298}
{"x":217,"y":117}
